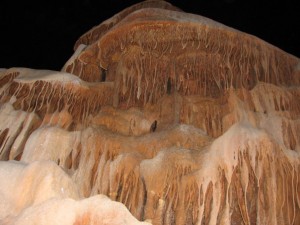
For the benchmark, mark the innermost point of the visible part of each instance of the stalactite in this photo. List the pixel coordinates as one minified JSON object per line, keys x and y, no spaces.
{"x":181,"y":119}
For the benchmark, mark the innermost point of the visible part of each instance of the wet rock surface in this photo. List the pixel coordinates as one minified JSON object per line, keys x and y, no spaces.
{"x":179,"y":118}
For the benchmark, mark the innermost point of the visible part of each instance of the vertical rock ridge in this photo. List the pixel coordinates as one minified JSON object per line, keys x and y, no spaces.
{"x":181,"y":119}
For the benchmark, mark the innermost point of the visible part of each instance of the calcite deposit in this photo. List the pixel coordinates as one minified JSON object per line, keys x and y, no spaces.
{"x":160,"y":117}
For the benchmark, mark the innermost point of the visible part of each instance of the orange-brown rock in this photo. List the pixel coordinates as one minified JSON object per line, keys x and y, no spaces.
{"x":98,"y":31}
{"x":186,"y":53}
{"x":181,"y":119}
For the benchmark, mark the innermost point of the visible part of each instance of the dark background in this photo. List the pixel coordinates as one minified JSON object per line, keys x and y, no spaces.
{"x":42,"y":34}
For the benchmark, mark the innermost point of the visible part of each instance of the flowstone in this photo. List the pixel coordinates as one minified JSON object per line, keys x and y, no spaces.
{"x":181,"y":119}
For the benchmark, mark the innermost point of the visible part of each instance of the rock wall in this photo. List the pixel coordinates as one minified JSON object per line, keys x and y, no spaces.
{"x":181,"y":119}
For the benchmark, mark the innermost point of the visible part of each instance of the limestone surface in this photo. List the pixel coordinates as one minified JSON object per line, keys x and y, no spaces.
{"x":160,"y":117}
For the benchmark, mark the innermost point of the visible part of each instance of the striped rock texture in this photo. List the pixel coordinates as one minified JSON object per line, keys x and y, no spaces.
{"x":181,"y":119}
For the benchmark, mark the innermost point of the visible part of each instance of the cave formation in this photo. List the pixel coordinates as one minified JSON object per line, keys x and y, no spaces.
{"x":159,"y":116}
